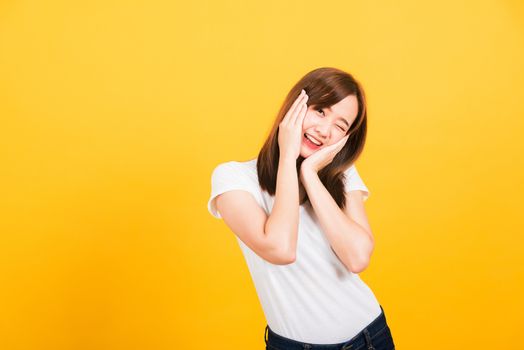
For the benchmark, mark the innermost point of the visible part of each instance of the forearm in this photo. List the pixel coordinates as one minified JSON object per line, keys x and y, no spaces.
{"x":349,"y":240}
{"x":282,"y":224}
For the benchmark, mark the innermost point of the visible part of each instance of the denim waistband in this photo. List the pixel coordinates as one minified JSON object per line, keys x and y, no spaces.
{"x":362,"y":338}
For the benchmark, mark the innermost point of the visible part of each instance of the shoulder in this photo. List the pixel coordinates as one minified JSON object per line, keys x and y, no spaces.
{"x":222,"y":170}
{"x":236,"y":169}
{"x":224,"y":166}
{"x":350,"y":172}
{"x":234,"y":175}
{"x":353,"y":181}
{"x":242,"y":168}
{"x":249,"y":168}
{"x":351,"y":169}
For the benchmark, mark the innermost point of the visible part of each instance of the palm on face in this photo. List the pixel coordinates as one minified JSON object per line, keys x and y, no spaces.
{"x":324,"y":156}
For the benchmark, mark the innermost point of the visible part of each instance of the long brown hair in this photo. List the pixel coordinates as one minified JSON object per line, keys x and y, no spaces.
{"x":325,"y":87}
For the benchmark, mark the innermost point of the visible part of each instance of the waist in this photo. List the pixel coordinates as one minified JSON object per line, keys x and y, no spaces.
{"x":375,"y":327}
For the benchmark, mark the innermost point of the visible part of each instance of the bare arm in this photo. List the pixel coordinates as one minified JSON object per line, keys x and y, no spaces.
{"x":282,"y":225}
{"x":272,"y":237}
{"x":351,"y":242}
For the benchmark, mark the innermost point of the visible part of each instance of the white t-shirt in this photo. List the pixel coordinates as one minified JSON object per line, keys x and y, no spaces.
{"x":315,"y":299}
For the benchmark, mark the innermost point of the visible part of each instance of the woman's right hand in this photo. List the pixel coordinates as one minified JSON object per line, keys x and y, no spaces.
{"x":290,"y":128}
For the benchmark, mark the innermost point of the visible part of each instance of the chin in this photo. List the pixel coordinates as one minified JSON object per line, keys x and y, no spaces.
{"x":306,"y":153}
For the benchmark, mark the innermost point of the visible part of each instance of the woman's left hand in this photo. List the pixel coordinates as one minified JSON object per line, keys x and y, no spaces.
{"x":323,"y":157}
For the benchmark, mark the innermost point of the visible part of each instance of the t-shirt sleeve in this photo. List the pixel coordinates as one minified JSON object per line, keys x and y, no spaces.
{"x":226,"y":177}
{"x":355,"y":182}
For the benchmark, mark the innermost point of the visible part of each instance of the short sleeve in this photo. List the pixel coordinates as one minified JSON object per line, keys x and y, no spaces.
{"x":355,"y":182}
{"x":226,"y":177}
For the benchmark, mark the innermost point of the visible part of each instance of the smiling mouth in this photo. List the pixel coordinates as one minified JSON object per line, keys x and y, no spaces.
{"x":313,"y":140}
{"x":310,"y":144}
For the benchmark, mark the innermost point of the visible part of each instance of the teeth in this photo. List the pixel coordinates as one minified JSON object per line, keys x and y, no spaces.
{"x":313,"y":140}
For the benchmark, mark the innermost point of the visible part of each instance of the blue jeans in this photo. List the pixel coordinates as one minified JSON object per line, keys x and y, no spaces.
{"x":375,"y":336}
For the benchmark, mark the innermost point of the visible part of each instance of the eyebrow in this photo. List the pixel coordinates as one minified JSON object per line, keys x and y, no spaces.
{"x":343,"y":119}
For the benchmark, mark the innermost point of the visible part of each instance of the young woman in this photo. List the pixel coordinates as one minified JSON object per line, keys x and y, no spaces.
{"x":298,"y":213}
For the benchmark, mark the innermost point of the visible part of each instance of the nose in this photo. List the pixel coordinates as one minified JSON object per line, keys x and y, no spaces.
{"x":322,"y":130}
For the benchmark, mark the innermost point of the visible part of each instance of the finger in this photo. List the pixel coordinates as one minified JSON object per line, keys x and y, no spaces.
{"x":343,"y":141}
{"x":289,"y":113}
{"x":299,"y":114}
{"x":339,"y":144}
{"x":298,"y":109}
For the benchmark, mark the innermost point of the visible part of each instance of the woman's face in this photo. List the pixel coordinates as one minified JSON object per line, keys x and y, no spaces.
{"x":327,"y":125}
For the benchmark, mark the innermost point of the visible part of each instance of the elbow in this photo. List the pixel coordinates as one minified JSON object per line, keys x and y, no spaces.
{"x":281,"y":252}
{"x":282,"y":256}
{"x":288,"y":258}
{"x":287,"y":254}
{"x":362,"y":263}
{"x":358,"y":268}
{"x":282,"y":260}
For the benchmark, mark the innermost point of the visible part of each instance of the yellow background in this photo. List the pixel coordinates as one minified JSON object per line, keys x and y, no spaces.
{"x":114,"y":113}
